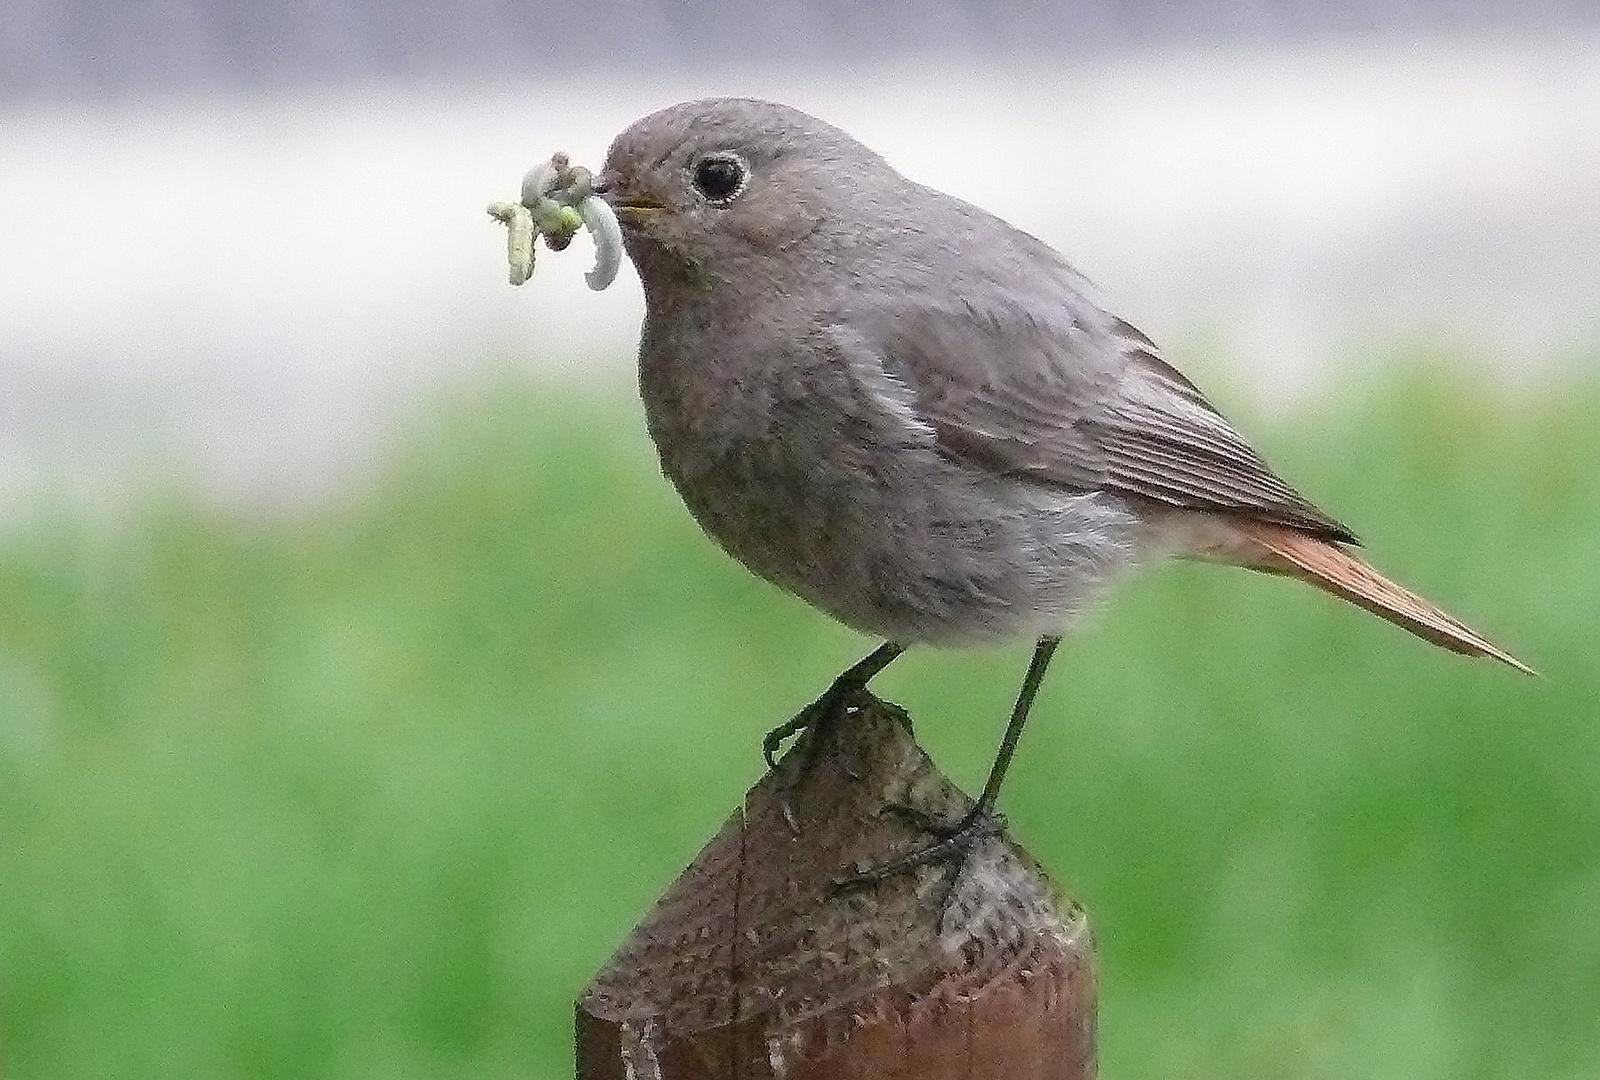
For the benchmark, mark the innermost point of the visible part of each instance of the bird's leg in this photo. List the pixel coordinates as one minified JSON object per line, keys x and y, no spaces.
{"x":820,"y":712}
{"x":954,"y":841}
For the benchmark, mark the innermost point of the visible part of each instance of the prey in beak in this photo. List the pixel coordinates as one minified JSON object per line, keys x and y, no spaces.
{"x":557,"y":200}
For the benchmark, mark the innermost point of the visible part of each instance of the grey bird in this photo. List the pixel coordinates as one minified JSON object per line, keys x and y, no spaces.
{"x":913,"y":415}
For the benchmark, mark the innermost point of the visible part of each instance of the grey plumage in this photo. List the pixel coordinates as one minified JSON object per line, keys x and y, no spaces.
{"x":914,"y":415}
{"x":895,"y":404}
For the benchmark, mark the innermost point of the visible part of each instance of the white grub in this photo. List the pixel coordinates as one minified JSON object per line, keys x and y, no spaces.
{"x":519,"y":238}
{"x":601,"y":221}
{"x":539,"y":182}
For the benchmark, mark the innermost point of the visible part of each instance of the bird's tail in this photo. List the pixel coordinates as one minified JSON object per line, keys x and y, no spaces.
{"x":1330,"y":567}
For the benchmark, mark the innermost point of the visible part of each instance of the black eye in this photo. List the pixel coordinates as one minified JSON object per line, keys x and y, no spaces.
{"x":720,"y":177}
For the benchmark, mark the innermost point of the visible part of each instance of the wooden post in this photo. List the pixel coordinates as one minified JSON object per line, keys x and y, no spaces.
{"x":753,"y":967}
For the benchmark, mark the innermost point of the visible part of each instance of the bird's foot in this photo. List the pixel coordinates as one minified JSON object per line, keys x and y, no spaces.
{"x":843,"y":694}
{"x":950,"y":847}
{"x":811,"y":725}
{"x":801,"y":722}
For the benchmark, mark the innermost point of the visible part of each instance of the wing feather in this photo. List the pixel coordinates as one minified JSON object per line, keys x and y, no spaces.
{"x":1077,"y":399}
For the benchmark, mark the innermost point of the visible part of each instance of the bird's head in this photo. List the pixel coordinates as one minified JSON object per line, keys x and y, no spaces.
{"x":709,"y":188}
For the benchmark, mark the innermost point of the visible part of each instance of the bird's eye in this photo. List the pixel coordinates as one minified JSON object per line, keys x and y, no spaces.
{"x":721,"y":177}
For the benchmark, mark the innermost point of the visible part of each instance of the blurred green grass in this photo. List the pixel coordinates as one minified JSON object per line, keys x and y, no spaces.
{"x":372,"y":791}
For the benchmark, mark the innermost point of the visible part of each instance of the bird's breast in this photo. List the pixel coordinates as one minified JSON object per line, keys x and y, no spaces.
{"x":826,"y":484}
{"x":775,"y":454}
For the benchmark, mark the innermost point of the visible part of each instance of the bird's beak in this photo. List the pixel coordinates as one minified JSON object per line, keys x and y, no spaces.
{"x":636,"y":208}
{"x":629,"y":207}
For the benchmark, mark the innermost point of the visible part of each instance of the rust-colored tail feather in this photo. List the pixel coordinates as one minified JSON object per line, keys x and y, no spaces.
{"x":1326,"y":565}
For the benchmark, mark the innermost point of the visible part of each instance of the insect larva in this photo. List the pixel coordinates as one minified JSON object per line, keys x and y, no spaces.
{"x":519,"y":238}
{"x":601,"y":221}
{"x":557,"y":201}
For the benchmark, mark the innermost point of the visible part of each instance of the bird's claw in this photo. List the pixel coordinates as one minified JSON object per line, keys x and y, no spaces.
{"x":807,"y":724}
{"x":835,"y":701}
{"x":951,"y":847}
{"x":772,"y":742}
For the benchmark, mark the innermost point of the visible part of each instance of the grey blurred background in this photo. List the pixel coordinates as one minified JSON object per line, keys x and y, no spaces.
{"x":74,"y":46}
{"x":241,"y":239}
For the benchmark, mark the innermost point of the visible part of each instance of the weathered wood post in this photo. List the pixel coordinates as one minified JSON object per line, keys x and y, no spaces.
{"x":753,"y":967}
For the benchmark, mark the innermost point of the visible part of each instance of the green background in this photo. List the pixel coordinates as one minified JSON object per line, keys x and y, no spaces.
{"x":370,"y":790}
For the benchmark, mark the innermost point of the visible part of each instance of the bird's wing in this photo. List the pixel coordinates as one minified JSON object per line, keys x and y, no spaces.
{"x":1076,"y":399}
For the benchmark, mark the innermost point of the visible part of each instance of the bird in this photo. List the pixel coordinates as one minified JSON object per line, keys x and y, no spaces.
{"x":920,"y":419}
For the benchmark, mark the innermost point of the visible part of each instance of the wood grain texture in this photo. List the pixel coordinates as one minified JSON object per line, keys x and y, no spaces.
{"x":753,"y":966}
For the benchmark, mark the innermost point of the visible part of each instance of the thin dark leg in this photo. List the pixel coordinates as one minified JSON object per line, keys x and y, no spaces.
{"x":852,"y":681}
{"x":954,"y":841}
{"x":1019,"y":719}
